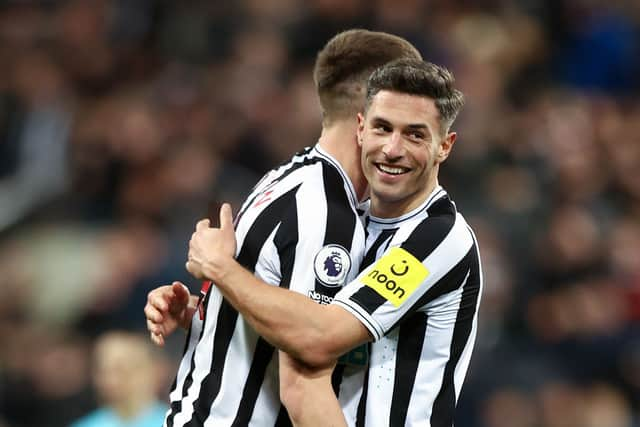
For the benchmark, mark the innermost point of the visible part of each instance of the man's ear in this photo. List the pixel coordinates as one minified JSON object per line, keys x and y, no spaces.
{"x":446,"y":145}
{"x":360,"y":130}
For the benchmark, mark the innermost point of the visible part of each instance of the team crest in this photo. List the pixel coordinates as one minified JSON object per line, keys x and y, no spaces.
{"x":331,"y":265}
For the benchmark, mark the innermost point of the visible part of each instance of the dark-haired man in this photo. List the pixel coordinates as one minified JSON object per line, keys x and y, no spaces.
{"x":298,"y":218}
{"x":418,"y":294}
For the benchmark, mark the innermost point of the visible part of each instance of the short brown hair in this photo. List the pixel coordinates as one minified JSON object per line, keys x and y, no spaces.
{"x":343,"y":66}
{"x":417,"y":77}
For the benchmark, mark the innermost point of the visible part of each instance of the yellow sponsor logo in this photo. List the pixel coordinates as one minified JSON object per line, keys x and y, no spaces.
{"x":396,"y":275}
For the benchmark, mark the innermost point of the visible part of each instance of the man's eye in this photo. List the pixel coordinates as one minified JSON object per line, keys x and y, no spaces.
{"x":383,"y":128}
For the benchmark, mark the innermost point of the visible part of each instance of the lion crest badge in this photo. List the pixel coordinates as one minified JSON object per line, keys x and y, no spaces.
{"x":331,"y":265}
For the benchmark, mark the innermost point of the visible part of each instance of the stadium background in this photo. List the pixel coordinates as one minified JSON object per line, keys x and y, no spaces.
{"x":122,"y":122}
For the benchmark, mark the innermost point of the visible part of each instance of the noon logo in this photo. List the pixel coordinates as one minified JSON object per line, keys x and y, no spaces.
{"x":396,"y":275}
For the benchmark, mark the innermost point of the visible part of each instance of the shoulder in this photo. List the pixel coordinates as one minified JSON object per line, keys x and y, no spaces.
{"x":328,"y":185}
{"x":443,"y":228}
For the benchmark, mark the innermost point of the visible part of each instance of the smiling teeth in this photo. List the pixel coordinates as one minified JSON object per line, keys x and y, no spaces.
{"x":391,"y":170}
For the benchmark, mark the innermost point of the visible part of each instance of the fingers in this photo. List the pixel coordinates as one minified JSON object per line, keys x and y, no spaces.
{"x":165,"y":309}
{"x":155,"y":328}
{"x":226,"y":217}
{"x":160,"y":297}
{"x":156,"y":331}
{"x":181,"y":292}
{"x":153,"y":314}
{"x":157,"y":339}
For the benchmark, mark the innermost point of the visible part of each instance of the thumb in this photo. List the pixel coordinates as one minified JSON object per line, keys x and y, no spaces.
{"x":226,"y":217}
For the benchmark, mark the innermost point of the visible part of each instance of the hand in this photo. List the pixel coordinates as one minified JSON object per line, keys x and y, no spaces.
{"x":167,"y":308}
{"x":210,"y":248}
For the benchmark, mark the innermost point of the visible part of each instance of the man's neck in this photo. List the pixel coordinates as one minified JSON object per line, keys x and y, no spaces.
{"x":340,"y":141}
{"x":397,"y":208}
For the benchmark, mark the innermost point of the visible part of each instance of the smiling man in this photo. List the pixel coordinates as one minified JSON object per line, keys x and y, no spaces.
{"x":418,"y":294}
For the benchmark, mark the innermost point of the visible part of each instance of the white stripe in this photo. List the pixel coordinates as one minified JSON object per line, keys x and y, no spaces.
{"x":185,"y":363}
{"x":465,"y":358}
{"x":312,"y":223}
{"x":203,"y":356}
{"x":242,"y":347}
{"x":349,"y":185}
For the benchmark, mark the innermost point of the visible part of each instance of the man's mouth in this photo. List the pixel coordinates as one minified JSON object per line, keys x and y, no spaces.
{"x":391,"y":170}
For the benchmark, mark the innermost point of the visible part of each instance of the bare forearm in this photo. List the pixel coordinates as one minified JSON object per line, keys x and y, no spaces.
{"x":321,"y":407}
{"x":288,"y":320}
{"x":308,"y":395}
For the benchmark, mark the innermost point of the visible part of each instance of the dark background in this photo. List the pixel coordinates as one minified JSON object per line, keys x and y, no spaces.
{"x":124,"y":122}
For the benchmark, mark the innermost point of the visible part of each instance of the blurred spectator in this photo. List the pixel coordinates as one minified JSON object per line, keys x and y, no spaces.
{"x":606,"y":406}
{"x":126,"y":378}
{"x":510,"y":407}
{"x":45,"y":376}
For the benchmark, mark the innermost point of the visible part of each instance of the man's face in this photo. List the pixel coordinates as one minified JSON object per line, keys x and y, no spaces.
{"x":122,"y":371}
{"x":401,"y":149}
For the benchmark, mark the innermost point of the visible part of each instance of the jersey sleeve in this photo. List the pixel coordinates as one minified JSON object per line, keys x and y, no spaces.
{"x":409,"y":275}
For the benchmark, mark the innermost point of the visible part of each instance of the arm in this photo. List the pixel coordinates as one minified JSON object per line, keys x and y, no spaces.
{"x":308,"y":394}
{"x":169,"y":307}
{"x":313,"y":333}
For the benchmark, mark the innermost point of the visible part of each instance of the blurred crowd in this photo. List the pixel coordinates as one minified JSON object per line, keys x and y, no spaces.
{"x":124,"y":122}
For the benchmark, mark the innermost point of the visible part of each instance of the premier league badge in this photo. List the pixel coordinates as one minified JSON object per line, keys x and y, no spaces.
{"x":331,"y":265}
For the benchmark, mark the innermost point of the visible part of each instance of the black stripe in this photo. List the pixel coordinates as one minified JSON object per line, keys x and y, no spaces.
{"x":341,"y":219}
{"x":366,"y":297}
{"x":285,"y":240}
{"x":445,"y":403}
{"x":298,"y":162}
{"x":283,"y":418}
{"x":226,"y":322}
{"x":362,"y":405}
{"x":261,"y":358}
{"x":410,"y":341}
{"x":291,"y":166}
{"x":211,"y":384}
{"x":367,"y":220}
{"x":430,"y":233}
{"x":447,"y":283}
{"x":176,"y":406}
{"x":371,"y":255}
{"x":336,"y":378}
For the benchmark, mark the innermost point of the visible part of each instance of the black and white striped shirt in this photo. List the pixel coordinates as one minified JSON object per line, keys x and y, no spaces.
{"x":298,"y":229}
{"x":419,"y":298}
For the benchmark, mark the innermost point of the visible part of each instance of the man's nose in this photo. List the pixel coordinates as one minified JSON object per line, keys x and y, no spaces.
{"x":394,"y":147}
